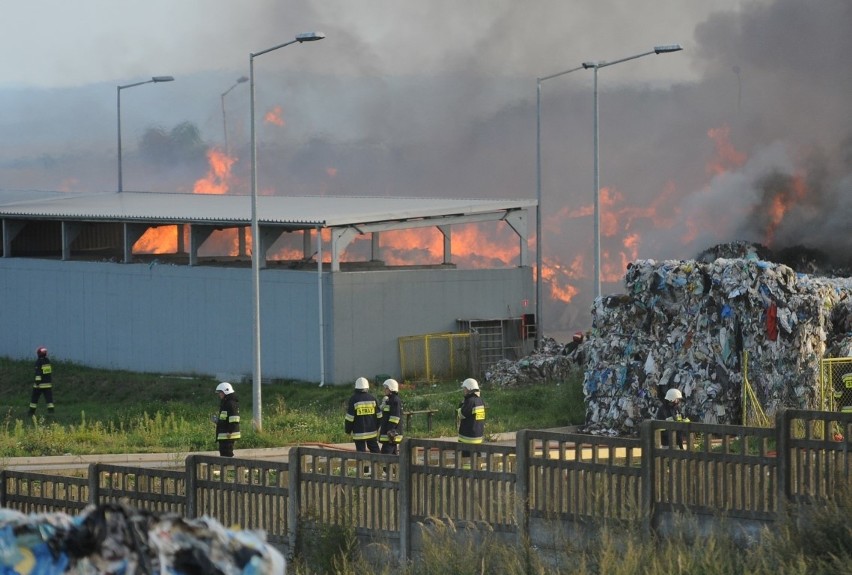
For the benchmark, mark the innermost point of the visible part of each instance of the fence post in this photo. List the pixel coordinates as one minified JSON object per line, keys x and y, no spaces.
{"x":405,"y":500}
{"x":3,"y":488}
{"x":191,"y":487}
{"x":522,"y":487}
{"x":94,"y":483}
{"x":782,"y":460}
{"x":646,"y":435}
{"x":294,"y":469}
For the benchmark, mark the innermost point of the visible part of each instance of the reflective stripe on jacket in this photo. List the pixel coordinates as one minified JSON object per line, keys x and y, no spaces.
{"x":472,"y":419}
{"x":228,"y":424}
{"x":362,"y":416}
{"x":391,"y":419}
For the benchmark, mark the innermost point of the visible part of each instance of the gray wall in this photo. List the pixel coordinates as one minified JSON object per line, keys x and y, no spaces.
{"x":372,"y":309}
{"x":177,"y":319}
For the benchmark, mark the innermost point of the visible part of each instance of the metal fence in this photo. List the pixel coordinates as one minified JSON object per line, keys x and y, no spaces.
{"x":437,"y":356}
{"x":546,"y":482}
{"x":836,"y":384}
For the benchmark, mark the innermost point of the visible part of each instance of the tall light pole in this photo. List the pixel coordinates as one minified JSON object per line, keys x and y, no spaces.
{"x":155,"y":79}
{"x":255,"y":232}
{"x":663,"y":49}
{"x":538,"y":232}
{"x":240,"y":80}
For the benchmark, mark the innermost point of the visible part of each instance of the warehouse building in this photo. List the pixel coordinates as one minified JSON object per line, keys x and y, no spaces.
{"x":75,"y":277}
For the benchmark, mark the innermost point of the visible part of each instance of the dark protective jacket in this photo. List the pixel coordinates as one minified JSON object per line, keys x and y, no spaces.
{"x":391,"y":419}
{"x":228,"y":424}
{"x":362,"y":416}
{"x":669,"y":411}
{"x":472,"y":419}
{"x":43,"y":374}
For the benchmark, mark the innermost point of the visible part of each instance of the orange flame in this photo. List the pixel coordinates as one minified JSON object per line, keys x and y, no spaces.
{"x":727,"y":157}
{"x":781,"y":203}
{"x":273,"y":116}
{"x":217,"y":180}
{"x":331,"y":172}
{"x":159,"y":240}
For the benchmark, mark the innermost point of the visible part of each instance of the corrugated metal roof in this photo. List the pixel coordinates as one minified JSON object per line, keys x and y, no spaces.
{"x":296,"y":211}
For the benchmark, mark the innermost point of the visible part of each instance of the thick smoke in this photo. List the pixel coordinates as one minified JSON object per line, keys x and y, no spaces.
{"x":742,"y":136}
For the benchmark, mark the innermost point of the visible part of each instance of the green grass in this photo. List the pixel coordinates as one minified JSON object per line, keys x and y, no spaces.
{"x":99,"y":411}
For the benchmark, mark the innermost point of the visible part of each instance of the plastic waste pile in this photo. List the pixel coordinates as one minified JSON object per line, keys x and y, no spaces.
{"x":553,"y":361}
{"x":114,"y":538}
{"x":687,"y":324}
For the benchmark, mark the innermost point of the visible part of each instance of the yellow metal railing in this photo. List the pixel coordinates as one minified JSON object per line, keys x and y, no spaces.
{"x":435,"y":356}
{"x":753,"y":414}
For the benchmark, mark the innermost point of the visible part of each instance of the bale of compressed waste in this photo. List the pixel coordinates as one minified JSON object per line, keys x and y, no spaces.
{"x":691,"y":324}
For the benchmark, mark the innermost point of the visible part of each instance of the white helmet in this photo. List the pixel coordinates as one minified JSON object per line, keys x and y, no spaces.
{"x":225,"y":388}
{"x":470,"y":384}
{"x":673,"y":395}
{"x":362,"y":383}
{"x":391,"y":384}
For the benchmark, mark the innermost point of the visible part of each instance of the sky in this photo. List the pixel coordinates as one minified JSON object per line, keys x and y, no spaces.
{"x":743,"y":135}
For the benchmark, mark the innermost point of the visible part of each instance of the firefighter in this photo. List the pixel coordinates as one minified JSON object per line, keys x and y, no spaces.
{"x":362,"y":417}
{"x":43,"y":383}
{"x":671,"y":411}
{"x":228,"y":419}
{"x":471,"y":415}
{"x":390,"y":431}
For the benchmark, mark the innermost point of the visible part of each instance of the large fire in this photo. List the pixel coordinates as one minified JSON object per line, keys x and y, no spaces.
{"x":492,"y":245}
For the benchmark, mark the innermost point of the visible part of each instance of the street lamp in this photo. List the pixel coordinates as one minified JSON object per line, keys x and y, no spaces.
{"x":240,"y":80}
{"x":538,"y":232}
{"x":663,"y":49}
{"x":255,"y":230}
{"x":155,"y":79}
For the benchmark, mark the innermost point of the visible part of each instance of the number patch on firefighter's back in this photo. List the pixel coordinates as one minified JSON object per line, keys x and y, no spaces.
{"x":45,"y":369}
{"x":479,"y":414}
{"x":365,"y":409}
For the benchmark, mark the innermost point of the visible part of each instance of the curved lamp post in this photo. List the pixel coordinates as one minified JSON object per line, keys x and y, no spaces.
{"x":663,"y":49}
{"x":240,"y":80}
{"x":257,"y":418}
{"x":538,"y":232}
{"x":155,"y":79}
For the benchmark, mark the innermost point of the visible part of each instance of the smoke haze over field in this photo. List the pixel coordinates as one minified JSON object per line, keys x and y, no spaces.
{"x":745,"y":135}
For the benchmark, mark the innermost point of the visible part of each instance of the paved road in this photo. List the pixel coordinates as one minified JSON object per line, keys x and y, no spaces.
{"x":160,"y":460}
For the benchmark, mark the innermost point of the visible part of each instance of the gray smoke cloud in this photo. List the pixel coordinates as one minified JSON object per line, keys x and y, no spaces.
{"x":742,"y":136}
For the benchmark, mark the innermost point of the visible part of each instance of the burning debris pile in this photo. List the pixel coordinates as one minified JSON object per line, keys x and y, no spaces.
{"x":687,"y":324}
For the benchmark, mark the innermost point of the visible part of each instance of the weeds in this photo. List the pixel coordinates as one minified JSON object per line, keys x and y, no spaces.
{"x":101,"y":411}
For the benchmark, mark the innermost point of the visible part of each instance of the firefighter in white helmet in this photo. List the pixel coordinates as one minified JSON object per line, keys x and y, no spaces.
{"x":228,"y":419}
{"x":471,"y":415}
{"x":670,"y":410}
{"x":43,"y":381}
{"x":362,"y":417}
{"x":390,"y":414}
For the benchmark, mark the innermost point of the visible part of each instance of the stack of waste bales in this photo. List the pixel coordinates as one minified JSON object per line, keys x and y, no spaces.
{"x":702,"y":327}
